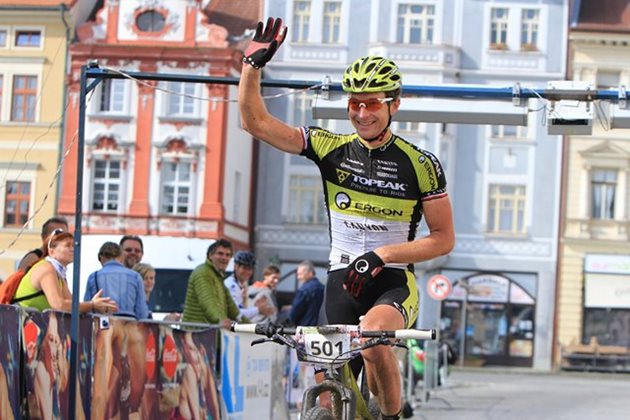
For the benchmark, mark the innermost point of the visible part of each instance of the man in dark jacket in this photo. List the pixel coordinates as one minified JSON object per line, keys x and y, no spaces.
{"x":309,"y":297}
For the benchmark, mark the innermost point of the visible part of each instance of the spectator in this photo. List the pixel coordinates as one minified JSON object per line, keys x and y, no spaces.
{"x":132,"y":250}
{"x":46,"y":280}
{"x":50,"y":225}
{"x":237,"y":283}
{"x":147,"y":272}
{"x":121,"y":284}
{"x":309,"y":297}
{"x":208,"y":301}
{"x":265,"y":289}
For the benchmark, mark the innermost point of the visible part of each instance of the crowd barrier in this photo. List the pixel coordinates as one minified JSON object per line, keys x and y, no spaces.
{"x":130,"y":369}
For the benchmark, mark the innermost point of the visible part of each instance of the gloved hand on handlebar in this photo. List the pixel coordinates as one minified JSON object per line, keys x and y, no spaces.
{"x":265,"y":43}
{"x":361,"y":272}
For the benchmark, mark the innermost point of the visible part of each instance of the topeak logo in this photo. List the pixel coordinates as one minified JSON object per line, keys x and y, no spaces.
{"x":342,"y":200}
{"x":342,"y":175}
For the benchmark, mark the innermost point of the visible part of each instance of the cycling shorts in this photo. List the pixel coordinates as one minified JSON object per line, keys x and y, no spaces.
{"x":392,"y":287}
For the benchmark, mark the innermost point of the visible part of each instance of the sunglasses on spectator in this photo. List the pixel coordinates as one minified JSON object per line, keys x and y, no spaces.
{"x":52,"y":235}
{"x":371,"y":105}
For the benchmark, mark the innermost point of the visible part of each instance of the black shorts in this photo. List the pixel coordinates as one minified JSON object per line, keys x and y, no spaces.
{"x":392,"y":287}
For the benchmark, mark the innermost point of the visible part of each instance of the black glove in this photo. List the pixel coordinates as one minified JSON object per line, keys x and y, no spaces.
{"x":361,"y":272}
{"x":265,"y":43}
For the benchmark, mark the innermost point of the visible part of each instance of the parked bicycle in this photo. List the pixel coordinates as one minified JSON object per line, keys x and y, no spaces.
{"x":332,"y":347}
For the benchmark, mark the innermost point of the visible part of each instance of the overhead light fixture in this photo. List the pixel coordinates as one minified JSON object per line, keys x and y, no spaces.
{"x":566,"y":116}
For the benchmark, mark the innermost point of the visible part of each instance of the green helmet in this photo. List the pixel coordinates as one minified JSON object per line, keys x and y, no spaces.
{"x":371,"y":74}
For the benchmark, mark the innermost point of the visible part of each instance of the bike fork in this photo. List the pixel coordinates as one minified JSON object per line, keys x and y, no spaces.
{"x":343,"y":399}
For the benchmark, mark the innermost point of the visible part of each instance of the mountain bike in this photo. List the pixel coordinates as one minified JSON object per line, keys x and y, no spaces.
{"x":332,"y":347}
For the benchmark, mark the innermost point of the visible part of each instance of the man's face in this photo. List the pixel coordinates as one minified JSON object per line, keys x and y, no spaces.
{"x":221,"y":257}
{"x":303,"y":274}
{"x":132,"y":252}
{"x":243,"y":272}
{"x":370,"y":123}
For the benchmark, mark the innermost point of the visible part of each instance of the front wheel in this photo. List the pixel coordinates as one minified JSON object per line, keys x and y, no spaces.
{"x":318,"y":413}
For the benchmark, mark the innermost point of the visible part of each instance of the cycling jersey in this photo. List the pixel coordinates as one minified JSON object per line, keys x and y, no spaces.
{"x":373,"y":196}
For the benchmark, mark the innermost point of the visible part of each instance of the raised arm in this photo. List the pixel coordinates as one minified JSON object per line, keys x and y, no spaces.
{"x":255,"y":118}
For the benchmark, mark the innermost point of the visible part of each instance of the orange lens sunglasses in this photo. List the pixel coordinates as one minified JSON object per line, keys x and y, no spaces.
{"x":371,"y":105}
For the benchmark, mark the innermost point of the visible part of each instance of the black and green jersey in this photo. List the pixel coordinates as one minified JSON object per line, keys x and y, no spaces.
{"x":373,"y":196}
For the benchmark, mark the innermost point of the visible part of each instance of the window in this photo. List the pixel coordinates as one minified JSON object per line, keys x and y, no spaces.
{"x":412,"y":127}
{"x":415,"y":24}
{"x":112,"y":96}
{"x":178,"y":103}
{"x":498,"y":28}
{"x":24,"y":98}
{"x":603,"y":183}
{"x":529,"y":29}
{"x":17,"y":202}
{"x":176,"y":187}
{"x":306,"y":200}
{"x":28,"y":38}
{"x":509,"y":131}
{"x":332,"y":20}
{"x":506,"y":210}
{"x":3,"y":38}
{"x":150,"y":21}
{"x":106,"y":193}
{"x":301,"y":19}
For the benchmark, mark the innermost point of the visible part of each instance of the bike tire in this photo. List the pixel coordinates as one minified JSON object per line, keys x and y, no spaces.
{"x":318,"y":413}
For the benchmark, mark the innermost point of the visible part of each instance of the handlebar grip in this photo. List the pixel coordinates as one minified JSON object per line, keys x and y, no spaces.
{"x":429,"y":334}
{"x":244,"y":328}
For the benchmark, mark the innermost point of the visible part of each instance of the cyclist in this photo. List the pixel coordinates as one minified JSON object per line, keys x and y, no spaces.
{"x":377,"y":187}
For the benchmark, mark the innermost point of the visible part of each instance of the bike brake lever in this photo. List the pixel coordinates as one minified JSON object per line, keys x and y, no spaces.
{"x":260,"y":341}
{"x":281,"y":339}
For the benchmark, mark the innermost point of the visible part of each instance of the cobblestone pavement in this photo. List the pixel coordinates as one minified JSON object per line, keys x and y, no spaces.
{"x":519,"y":394}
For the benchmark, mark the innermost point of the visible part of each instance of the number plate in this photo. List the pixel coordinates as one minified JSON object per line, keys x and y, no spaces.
{"x":327,"y":345}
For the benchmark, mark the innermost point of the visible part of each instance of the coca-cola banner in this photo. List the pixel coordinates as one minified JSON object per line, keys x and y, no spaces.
{"x":9,"y":363}
{"x":46,"y":364}
{"x":187,"y":385}
{"x":151,"y":371}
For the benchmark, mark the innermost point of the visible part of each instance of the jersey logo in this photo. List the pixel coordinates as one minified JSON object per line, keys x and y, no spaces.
{"x":342,"y":200}
{"x":342,"y":175}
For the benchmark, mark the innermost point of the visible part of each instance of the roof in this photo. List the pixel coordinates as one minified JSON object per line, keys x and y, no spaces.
{"x":32,"y":3}
{"x":602,"y":16}
{"x":234,"y":15}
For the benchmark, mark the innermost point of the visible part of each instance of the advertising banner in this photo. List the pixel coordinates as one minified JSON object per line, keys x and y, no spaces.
{"x":252,"y":378}
{"x":46,"y":346}
{"x":10,"y":352}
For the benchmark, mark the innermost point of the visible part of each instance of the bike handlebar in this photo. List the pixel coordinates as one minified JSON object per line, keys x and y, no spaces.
{"x":271,"y":329}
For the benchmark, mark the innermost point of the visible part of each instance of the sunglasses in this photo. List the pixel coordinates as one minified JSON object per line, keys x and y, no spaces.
{"x":52,"y":235}
{"x":371,"y":105}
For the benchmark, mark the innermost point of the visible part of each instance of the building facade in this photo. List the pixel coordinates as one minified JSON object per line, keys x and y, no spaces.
{"x":594,"y":269}
{"x":34,"y":38}
{"x":504,"y":181}
{"x":163,"y":160}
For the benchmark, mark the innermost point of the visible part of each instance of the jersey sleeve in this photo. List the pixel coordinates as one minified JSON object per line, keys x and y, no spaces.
{"x":431,"y":177}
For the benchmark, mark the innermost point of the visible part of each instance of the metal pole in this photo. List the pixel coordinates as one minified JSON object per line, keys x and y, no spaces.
{"x":462,"y":342}
{"x":76,"y":272}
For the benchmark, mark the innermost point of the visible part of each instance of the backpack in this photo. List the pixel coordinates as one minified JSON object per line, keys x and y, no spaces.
{"x":10,"y":285}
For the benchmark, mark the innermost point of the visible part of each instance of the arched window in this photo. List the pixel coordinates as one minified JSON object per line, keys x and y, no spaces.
{"x":150,"y":21}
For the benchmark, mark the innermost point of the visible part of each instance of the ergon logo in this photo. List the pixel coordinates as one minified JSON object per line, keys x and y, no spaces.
{"x":395,"y":186}
{"x":342,"y":200}
{"x":362,"y":266}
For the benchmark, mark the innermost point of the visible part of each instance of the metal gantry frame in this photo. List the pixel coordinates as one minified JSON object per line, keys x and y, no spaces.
{"x":92,"y":75}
